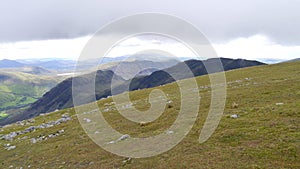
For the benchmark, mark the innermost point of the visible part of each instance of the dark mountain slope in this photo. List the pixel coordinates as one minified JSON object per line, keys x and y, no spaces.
{"x":197,"y":67}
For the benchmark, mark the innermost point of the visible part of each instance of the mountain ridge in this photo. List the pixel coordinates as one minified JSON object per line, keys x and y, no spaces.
{"x":60,"y":96}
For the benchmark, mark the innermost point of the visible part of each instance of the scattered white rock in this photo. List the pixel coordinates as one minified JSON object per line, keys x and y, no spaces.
{"x":279,"y":104}
{"x":234,"y":116}
{"x":111,"y":142}
{"x":170,"y":132}
{"x":127,"y":160}
{"x":124,"y":137}
{"x":10,"y":136}
{"x":33,"y":140}
{"x":31,"y":121}
{"x":126,"y":106}
{"x":87,"y":120}
{"x":11,"y":148}
{"x":106,"y":110}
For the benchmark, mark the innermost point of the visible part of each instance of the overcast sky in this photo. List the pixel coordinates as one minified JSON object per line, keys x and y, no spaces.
{"x":261,"y":28}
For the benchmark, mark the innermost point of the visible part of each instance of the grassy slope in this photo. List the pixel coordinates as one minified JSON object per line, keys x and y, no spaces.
{"x":265,"y":136}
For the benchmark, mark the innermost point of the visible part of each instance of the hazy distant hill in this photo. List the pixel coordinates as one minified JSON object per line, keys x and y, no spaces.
{"x":29,"y":69}
{"x":5,"y":63}
{"x":127,"y":69}
{"x":64,"y":65}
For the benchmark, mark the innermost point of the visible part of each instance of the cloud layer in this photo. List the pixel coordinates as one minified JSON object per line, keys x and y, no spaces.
{"x":221,"y":21}
{"x":257,"y":47}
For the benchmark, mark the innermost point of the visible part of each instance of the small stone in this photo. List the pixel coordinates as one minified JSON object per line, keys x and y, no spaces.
{"x":66,"y":115}
{"x":87,"y":120}
{"x":143,"y":123}
{"x":234,"y":116}
{"x":127,"y":160}
{"x":111,"y":142}
{"x":33,"y":140}
{"x":170,"y":132}
{"x":11,"y":148}
{"x":31,"y":120}
{"x":279,"y":104}
{"x":124,"y":137}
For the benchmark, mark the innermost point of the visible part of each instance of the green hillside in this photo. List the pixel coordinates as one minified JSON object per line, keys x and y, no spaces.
{"x":19,"y":89}
{"x":266,"y":133}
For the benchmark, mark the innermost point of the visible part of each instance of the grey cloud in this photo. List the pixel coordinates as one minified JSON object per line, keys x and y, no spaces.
{"x":218,"y":20}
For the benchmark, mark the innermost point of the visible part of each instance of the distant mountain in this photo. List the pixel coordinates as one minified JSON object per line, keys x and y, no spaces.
{"x":127,"y":69}
{"x":271,"y":60}
{"x":36,"y":66}
{"x":35,"y":70}
{"x":60,"y":65}
{"x":147,"y":72}
{"x":156,"y":60}
{"x":294,"y":60}
{"x":29,"y":69}
{"x":196,"y":66}
{"x":5,"y":63}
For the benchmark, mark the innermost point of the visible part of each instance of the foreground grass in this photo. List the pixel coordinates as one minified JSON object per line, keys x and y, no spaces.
{"x":266,"y":135}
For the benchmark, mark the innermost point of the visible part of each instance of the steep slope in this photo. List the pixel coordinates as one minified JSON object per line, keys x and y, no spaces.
{"x":265,"y":134}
